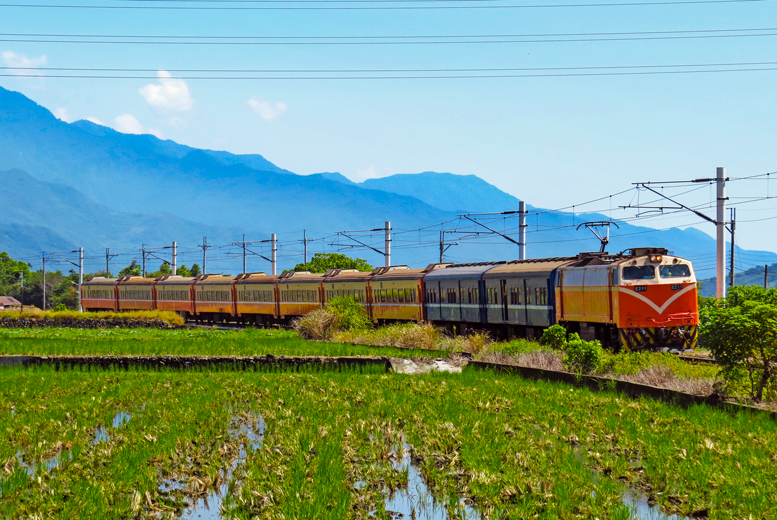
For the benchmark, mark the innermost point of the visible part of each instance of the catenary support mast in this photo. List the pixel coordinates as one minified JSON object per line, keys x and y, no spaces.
{"x":720,"y":284}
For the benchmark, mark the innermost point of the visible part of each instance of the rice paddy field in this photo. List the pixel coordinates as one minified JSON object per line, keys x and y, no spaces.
{"x":354,"y":443}
{"x":182,"y":342}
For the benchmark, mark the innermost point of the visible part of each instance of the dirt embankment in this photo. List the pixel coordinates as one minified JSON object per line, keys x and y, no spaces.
{"x":33,"y":322}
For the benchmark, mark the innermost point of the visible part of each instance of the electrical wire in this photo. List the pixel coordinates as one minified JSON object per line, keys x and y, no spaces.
{"x":380,"y":8}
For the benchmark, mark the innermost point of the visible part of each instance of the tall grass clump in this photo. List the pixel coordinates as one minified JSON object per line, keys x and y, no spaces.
{"x":339,"y":314}
{"x":402,"y":335}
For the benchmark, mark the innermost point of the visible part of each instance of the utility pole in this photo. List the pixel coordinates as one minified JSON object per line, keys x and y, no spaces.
{"x":305,"y":241}
{"x":766,"y":276}
{"x":733,"y":228}
{"x":175,"y":258}
{"x":244,"y":253}
{"x":204,"y":247}
{"x":522,"y":230}
{"x":22,"y":273}
{"x":44,"y":280}
{"x":721,"y":225}
{"x":443,"y":246}
{"x":274,"y":254}
{"x":720,"y":221}
{"x":388,"y":243}
{"x":108,"y":257}
{"x":244,"y":245}
{"x":80,"y":276}
{"x":145,"y":253}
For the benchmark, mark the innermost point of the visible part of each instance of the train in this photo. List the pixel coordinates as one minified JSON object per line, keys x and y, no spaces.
{"x":641,"y":298}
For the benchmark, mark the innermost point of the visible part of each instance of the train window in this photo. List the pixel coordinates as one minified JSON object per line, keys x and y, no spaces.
{"x":401,"y":296}
{"x":674,"y":271}
{"x":639,"y":272}
{"x":529,"y":296}
{"x":537,"y":296}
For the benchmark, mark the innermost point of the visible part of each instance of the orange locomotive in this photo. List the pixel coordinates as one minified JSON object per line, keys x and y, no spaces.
{"x":641,"y":300}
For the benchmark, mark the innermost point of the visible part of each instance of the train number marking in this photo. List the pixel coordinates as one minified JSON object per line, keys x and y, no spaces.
{"x":677,"y":286}
{"x":640,"y":288}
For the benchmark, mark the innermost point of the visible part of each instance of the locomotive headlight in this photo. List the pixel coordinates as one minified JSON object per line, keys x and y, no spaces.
{"x":655,"y":258}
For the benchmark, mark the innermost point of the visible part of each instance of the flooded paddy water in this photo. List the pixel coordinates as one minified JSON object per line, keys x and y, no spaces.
{"x":436,"y":445}
{"x":416,"y":501}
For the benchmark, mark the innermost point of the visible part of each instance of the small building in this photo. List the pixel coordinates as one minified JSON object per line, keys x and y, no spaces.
{"x":7,"y":302}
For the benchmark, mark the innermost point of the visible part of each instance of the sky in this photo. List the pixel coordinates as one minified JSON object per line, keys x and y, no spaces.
{"x":554,"y":141}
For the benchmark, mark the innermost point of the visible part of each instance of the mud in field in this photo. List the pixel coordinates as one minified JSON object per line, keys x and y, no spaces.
{"x":423,"y":365}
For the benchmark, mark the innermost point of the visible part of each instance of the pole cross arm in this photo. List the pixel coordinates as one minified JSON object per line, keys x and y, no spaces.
{"x":683,"y":206}
{"x":492,"y":230}
{"x":341,"y":233}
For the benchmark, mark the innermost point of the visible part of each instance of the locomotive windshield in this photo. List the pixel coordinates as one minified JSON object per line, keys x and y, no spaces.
{"x":674,"y":271}
{"x":639,"y":272}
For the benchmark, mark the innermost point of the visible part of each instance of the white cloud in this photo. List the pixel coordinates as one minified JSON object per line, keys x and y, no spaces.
{"x":169,"y":94}
{"x":129,"y":124}
{"x":95,"y":121}
{"x":370,"y":172}
{"x":61,"y":113}
{"x":11,"y":59}
{"x":267,"y":110}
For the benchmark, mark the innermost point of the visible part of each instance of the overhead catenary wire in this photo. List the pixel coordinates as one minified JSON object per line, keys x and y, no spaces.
{"x":423,"y":77}
{"x":135,"y":39}
{"x":372,"y":7}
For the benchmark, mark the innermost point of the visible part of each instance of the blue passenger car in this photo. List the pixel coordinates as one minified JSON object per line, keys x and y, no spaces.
{"x":455,"y":294}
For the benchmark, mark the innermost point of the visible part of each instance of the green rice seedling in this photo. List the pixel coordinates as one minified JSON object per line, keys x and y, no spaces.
{"x":507,"y":447}
{"x":178,"y":343}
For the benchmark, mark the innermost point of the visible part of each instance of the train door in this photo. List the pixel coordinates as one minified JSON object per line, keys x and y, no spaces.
{"x":503,"y":290}
{"x":527,"y":300}
{"x":483,"y":301}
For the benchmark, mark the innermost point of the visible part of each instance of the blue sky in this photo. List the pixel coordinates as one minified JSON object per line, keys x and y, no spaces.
{"x":553,"y":141}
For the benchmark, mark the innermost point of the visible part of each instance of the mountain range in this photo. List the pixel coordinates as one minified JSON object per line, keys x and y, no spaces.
{"x":65,"y":185}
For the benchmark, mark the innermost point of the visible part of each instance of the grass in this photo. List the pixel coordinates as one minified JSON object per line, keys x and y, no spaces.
{"x":201,"y":342}
{"x":513,"y":448}
{"x":62,"y":316}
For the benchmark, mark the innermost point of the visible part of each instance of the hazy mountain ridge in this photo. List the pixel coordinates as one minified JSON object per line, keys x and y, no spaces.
{"x":39,"y":209}
{"x":91,"y":186}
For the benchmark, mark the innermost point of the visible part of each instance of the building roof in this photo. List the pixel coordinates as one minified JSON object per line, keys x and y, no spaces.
{"x":9,"y":301}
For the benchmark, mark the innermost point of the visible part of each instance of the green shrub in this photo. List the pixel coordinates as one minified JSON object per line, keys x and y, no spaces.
{"x":339,"y":315}
{"x":59,"y":307}
{"x":554,"y":336}
{"x":349,"y":313}
{"x":583,"y":356}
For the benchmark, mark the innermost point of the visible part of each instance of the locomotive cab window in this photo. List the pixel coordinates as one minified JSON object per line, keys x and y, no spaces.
{"x":674,"y":271}
{"x":639,"y":272}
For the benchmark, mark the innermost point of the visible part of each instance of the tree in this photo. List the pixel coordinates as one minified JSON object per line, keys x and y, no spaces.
{"x":741,"y":332}
{"x":164,"y":270}
{"x":183,"y":271}
{"x":196,"y":271}
{"x":131,"y":270}
{"x":10,"y":276}
{"x":322,"y":262}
